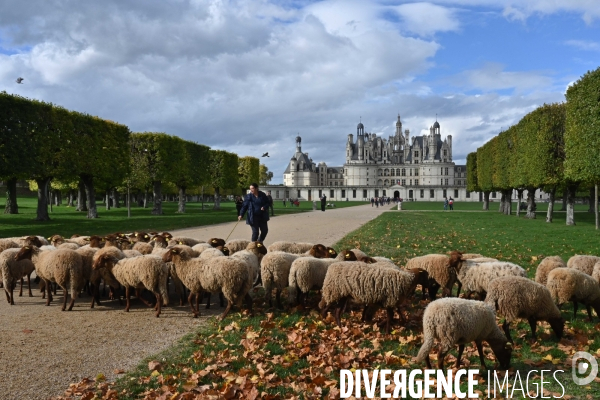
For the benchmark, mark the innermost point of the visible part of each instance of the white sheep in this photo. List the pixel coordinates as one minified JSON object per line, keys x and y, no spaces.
{"x":596,"y":272}
{"x":568,"y":284}
{"x":584,"y":264}
{"x":236,"y":245}
{"x":200,"y":247}
{"x":547,"y":265}
{"x":458,"y":321}
{"x":515,"y":297}
{"x":306,"y":274}
{"x":290,"y":247}
{"x":275,"y":271}
{"x":140,"y":272}
{"x":475,"y":278}
{"x":13,"y":271}
{"x":61,"y":266}
{"x":441,"y":269}
{"x":252,"y":255}
{"x":219,"y":274}
{"x":365,"y":284}
{"x":143,"y":247}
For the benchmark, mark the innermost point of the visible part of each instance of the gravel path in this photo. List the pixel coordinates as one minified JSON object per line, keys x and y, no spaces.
{"x":43,"y":350}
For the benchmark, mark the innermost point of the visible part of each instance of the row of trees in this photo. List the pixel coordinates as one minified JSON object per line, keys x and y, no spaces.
{"x":554,"y":148}
{"x":43,"y":142}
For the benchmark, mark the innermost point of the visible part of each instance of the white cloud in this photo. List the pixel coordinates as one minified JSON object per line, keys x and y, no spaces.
{"x":492,"y":76}
{"x":583,"y":45}
{"x":425,"y":19}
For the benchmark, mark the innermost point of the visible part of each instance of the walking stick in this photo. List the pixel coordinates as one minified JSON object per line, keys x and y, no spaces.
{"x":232,"y":229}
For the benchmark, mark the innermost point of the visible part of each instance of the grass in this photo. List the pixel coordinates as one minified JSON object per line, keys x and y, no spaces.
{"x":478,"y":206}
{"x":280,"y":354}
{"x":66,"y":221}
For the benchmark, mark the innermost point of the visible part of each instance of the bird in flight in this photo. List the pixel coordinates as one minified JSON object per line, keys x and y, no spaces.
{"x":266,"y":155}
{"x":20,"y":80}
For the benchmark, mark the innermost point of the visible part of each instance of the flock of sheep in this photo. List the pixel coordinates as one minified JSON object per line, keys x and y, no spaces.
{"x":147,"y":261}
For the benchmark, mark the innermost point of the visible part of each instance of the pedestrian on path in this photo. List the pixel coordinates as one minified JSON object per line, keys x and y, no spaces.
{"x":445,"y":204}
{"x":323,"y":201}
{"x":270,"y":203}
{"x":256,"y":203}
{"x":238,"y":204}
{"x":451,"y":203}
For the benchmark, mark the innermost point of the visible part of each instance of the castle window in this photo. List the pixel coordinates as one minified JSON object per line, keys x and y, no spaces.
{"x":445,"y":153}
{"x":410,"y":171}
{"x":468,"y":195}
{"x":416,"y":161}
{"x":431,"y":194}
{"x":416,"y":182}
{"x":398,"y":172}
{"x":446,"y":171}
{"x":365,"y":193}
{"x":392,"y":172}
{"x":445,"y":195}
{"x":416,"y":172}
{"x":410,"y":182}
{"x":343,"y":193}
{"x":416,"y":154}
{"x":456,"y":193}
{"x":403,"y":182}
{"x":403,"y":172}
{"x":422,"y":194}
{"x":446,"y":182}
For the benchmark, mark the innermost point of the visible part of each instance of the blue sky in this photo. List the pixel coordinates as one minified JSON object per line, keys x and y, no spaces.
{"x":248,"y":76}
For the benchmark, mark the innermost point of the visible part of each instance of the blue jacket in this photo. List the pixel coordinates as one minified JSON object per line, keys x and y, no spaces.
{"x":253,"y":205}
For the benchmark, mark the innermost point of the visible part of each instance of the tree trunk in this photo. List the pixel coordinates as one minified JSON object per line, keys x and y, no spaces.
{"x":551,"y":204}
{"x":502,"y":200}
{"x":564,"y":200}
{"x":508,"y":201}
{"x":571,"y":190}
{"x":591,"y":205}
{"x":42,"y":206}
{"x":157,"y":208}
{"x":71,"y":198}
{"x":56,"y":197}
{"x":107,"y":199}
{"x":519,"y":199}
{"x":116,"y":198}
{"x":596,"y":205}
{"x":182,"y":200}
{"x":486,"y":201}
{"x":81,"y":197}
{"x":217,"y":205}
{"x":88,"y":181}
{"x":530,"y":203}
{"x":11,"y":206}
{"x":146,"y":198}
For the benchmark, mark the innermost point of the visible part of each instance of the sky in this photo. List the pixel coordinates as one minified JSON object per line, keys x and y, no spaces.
{"x":249,"y":76}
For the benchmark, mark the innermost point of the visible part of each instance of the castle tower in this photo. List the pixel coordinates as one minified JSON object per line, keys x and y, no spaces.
{"x":406,"y":144}
{"x":398,"y":127}
{"x":360,"y":133}
{"x":298,"y":144}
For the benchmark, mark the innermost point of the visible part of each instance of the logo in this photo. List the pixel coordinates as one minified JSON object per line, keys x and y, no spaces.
{"x":582,"y":363}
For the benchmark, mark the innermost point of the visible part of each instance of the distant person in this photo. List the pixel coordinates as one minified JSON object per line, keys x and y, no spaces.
{"x":284,"y":202}
{"x":323,"y":201}
{"x":451,"y":203}
{"x":270,"y":203}
{"x":445,"y":204}
{"x":238,"y":204}
{"x":372,"y":201}
{"x":256,"y":203}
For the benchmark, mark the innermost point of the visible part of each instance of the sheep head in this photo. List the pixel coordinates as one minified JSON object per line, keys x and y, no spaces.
{"x":503,"y":351}
{"x":56,"y":240}
{"x":111,"y":240}
{"x":558,"y":326}
{"x":331,"y":253}
{"x":318,"y":251}
{"x":257,"y":248}
{"x":25,"y":253}
{"x":96,"y":241}
{"x":175,"y":252}
{"x":32,"y":241}
{"x":455,"y":260}
{"x":105,"y":261}
{"x":140,"y":237}
{"x":348,"y":255}
{"x":224,"y":250}
{"x":160,"y":241}
{"x":216,"y":242}
{"x":166,"y":235}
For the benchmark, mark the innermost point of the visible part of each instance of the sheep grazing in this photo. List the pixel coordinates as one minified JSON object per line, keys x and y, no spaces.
{"x":584,"y":264}
{"x":458,"y":321}
{"x":61,"y":266}
{"x":220,"y":274}
{"x":274,"y":271}
{"x":290,"y":247}
{"x":441,"y":269}
{"x":475,"y":277}
{"x":516,"y":297}
{"x":13,"y":271}
{"x":141,"y":272}
{"x":547,"y":265}
{"x":216,"y":242}
{"x":236,"y":245}
{"x":143,"y":247}
{"x":421,"y":278}
{"x":306,"y":274}
{"x":567,"y":284}
{"x":365,"y":284}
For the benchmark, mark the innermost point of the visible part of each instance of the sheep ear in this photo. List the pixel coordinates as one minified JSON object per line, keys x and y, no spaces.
{"x":27,"y":247}
{"x":145,"y":236}
{"x":174,"y":251}
{"x":135,"y":235}
{"x":180,"y":242}
{"x":258,"y":245}
{"x":213,"y":241}
{"x":167,"y":239}
{"x":330,"y":251}
{"x":508,"y":346}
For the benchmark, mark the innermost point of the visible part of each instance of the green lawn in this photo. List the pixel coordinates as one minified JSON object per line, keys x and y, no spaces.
{"x":294,"y":352}
{"x":66,"y":221}
{"x":478,"y":206}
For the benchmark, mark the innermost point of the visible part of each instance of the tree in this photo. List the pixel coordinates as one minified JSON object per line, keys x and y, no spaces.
{"x":501,"y":175}
{"x":248,"y":172}
{"x":265,"y":175}
{"x":485,"y":171}
{"x":582,"y":139}
{"x":223,"y":173}
{"x":193,"y":169}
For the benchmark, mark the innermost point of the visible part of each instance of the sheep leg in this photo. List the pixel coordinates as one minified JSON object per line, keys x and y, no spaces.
{"x":198,"y":296}
{"x":29,"y":284}
{"x":42,"y":286}
{"x":338,"y":312}
{"x":248,"y":299}
{"x":533,"y":325}
{"x":208,"y":294}
{"x":229,"y":304}
{"x":505,"y":327}
{"x":446,"y":292}
{"x":158,"y":303}
{"x":138,"y":294}
{"x":480,"y":351}
{"x":278,"y":298}
{"x":441,"y":354}
{"x":221,"y":299}
{"x":66,"y":293}
{"x":428,"y":362}
{"x":433,"y":289}
{"x":191,"y":301}
{"x":73,"y":297}
{"x":7,"y":295}
{"x":21,"y":290}
{"x":390,"y":318}
{"x":127,"y":298}
{"x":96,"y":292}
{"x":458,"y":289}
{"x":49,"y":292}
{"x":461,"y":348}
{"x":589,"y":310}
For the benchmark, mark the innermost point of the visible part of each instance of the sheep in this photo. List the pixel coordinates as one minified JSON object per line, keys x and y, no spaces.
{"x":62,"y":266}
{"x":147,"y":271}
{"x":94,"y":276}
{"x":347,"y":255}
{"x":200,"y":247}
{"x":132,"y":253}
{"x":547,"y":265}
{"x":188,"y":241}
{"x":307,"y":273}
{"x":37,"y":241}
{"x":143,"y":247}
{"x":236,"y":245}
{"x":8,"y":244}
{"x":476,"y":277}
{"x":458,"y":321}
{"x":220,"y":274}
{"x":139,"y":237}
{"x":252,"y":256}
{"x":216,"y":242}
{"x":211,"y":253}
{"x":596,"y":272}
{"x":365,"y":284}
{"x":568,"y":284}
{"x":68,"y":245}
{"x":421,"y":278}
{"x":12,"y":271}
{"x":160,"y":242}
{"x":179,"y":287}
{"x":469,"y":256}
{"x":290,"y":247}
{"x":515,"y":297}
{"x":275,"y":270}
{"x":584,"y":264}
{"x":441,"y":269}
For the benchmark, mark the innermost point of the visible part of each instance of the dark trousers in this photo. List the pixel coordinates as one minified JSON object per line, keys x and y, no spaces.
{"x":322,"y":206}
{"x":264,"y":229}
{"x":272,"y":211}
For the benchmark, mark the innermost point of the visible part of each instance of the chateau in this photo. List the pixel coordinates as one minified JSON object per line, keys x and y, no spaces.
{"x":417,"y":168}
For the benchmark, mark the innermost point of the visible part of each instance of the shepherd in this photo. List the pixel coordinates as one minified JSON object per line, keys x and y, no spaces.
{"x":256,"y":203}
